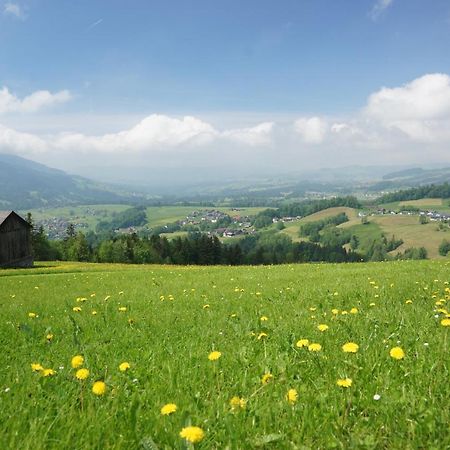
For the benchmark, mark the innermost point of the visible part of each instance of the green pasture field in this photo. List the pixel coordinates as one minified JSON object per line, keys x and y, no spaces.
{"x":165,"y":321}
{"x":89,"y":214}
{"x":292,"y":228}
{"x":162,"y":215}
{"x":412,"y":232}
{"x":428,"y":204}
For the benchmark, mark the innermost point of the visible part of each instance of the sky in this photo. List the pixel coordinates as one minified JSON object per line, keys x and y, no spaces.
{"x":102,"y":88}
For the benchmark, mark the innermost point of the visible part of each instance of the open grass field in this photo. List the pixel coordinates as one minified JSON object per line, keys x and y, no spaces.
{"x":292,"y":228}
{"x":412,"y":232}
{"x":162,"y":215}
{"x":426,"y":204}
{"x":253,"y":356}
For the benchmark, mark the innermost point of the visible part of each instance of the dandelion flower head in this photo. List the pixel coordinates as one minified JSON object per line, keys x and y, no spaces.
{"x":192,"y":434}
{"x":77,"y":361}
{"x":168,"y":409}
{"x":397,"y":353}
{"x":99,"y":388}
{"x":214,"y":356}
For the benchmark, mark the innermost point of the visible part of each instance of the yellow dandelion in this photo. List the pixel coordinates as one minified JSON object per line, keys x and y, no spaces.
{"x":32,"y":315}
{"x":397,"y":353}
{"x":192,"y":434}
{"x":302,"y":343}
{"x":322,"y":327}
{"x":122,"y":309}
{"x":205,"y":306}
{"x":82,"y":374}
{"x":266,"y":378}
{"x":261,"y":335}
{"x":214,"y":356}
{"x":445,"y":322}
{"x":314,"y":347}
{"x":77,"y":361}
{"x":36,"y":367}
{"x":94,"y":313}
{"x":238,"y":403}
{"x":168,"y":409}
{"x":76,"y":309}
{"x":344,"y":382}
{"x":264,"y":319}
{"x":335,"y":311}
{"x":124,"y":366}
{"x":350,"y":347}
{"x":48,"y":372}
{"x":292,"y":396}
{"x":372,"y":304}
{"x":49,"y":337}
{"x":408,"y":302}
{"x":354,"y":311}
{"x":99,"y":388}
{"x":107,"y":297}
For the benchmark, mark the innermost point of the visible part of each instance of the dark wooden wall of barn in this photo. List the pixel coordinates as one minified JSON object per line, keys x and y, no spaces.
{"x":14,"y":241}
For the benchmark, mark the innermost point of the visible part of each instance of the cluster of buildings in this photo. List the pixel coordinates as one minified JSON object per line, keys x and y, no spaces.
{"x":56,"y":227}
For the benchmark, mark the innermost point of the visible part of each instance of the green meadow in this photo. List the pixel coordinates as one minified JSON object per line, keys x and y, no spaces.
{"x":165,"y":323}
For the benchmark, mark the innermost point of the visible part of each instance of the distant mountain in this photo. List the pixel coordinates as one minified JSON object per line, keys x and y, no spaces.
{"x":27,"y":184}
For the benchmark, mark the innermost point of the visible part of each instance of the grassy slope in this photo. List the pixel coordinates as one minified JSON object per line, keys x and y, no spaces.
{"x":412,"y":232}
{"x":292,"y":228}
{"x":162,"y":215}
{"x":169,"y":340}
{"x":439,"y":204}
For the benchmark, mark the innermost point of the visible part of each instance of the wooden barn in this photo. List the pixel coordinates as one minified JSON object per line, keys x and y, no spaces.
{"x":15,"y":241}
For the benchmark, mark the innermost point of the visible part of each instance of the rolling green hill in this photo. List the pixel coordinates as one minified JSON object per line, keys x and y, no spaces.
{"x":26,"y":184}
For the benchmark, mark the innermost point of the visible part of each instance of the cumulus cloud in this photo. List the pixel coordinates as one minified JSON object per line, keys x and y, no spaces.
{"x":259,"y":135}
{"x":420,"y":109}
{"x":379,"y":7}
{"x":311,"y":129}
{"x":13,"y":9}
{"x":154,"y":133}
{"x":32,"y":103}
{"x":395,"y":124}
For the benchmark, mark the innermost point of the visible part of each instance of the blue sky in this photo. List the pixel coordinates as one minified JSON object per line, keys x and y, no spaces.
{"x":230,"y":63}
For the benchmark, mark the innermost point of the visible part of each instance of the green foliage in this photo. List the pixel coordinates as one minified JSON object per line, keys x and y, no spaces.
{"x":414,"y":253}
{"x":132,"y":217}
{"x":429,"y":191}
{"x":308,"y":207}
{"x":444,"y":248}
{"x":313,"y":228}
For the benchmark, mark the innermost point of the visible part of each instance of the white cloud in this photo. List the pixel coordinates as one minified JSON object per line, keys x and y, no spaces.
{"x":379,"y":7}
{"x":420,"y":109}
{"x":259,"y":135}
{"x":408,"y":124}
{"x":312,"y":130}
{"x":32,"y":103}
{"x":21,"y":143}
{"x":153,"y":132}
{"x":14,"y":9}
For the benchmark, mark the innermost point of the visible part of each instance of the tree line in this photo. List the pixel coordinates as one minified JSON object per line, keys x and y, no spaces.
{"x":429,"y":191}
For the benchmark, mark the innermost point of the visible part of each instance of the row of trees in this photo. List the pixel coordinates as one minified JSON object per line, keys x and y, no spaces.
{"x":429,"y":191}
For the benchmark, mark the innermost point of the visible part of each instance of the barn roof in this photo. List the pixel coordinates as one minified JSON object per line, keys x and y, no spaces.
{"x":5,"y":214}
